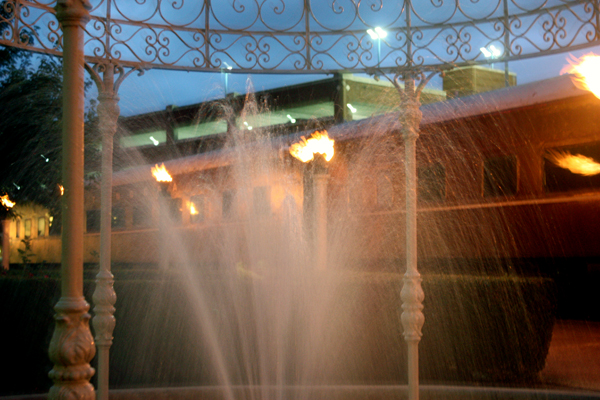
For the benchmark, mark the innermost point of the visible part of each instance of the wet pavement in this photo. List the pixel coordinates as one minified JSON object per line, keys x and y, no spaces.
{"x":574,"y":357}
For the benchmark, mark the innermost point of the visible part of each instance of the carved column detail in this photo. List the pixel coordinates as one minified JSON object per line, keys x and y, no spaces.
{"x":71,"y":349}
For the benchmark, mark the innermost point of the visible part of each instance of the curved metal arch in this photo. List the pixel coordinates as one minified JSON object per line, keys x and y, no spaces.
{"x":309,"y":36}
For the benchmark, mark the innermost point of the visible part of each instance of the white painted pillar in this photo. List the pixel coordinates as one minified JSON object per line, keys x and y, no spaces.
{"x":72,"y":344}
{"x":412,"y":294}
{"x":104,"y":295}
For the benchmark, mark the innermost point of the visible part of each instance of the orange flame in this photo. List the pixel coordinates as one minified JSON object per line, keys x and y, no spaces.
{"x":6,"y":202}
{"x":318,"y":143}
{"x":586,"y":71}
{"x":193,"y":210}
{"x":161,"y":174}
{"x":61,"y":188}
{"x":577,"y":164}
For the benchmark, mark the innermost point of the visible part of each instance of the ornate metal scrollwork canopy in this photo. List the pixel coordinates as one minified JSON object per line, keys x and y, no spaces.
{"x":309,"y":36}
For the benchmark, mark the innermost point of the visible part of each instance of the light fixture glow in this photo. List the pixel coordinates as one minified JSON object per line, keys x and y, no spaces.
{"x":154,"y":141}
{"x":495,"y":51}
{"x":292,"y":120}
{"x":377,"y":33}
{"x":380,"y":32}
{"x":491,"y":51}
{"x":352,"y":109}
{"x":248,"y":126}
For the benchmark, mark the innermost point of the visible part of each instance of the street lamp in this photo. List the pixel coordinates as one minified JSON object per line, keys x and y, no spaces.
{"x":225,"y":76}
{"x":491,"y":52}
{"x":377,"y":33}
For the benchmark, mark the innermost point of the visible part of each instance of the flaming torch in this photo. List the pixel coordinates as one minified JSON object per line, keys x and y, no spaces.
{"x":318,"y":143}
{"x":162,"y":176}
{"x":577,"y":164}
{"x":586,"y":73}
{"x":6,"y":202}
{"x":315,"y":188}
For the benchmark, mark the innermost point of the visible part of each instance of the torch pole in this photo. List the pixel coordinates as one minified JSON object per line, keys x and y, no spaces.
{"x":5,"y":243}
{"x":320,"y":180}
{"x":163,"y":226}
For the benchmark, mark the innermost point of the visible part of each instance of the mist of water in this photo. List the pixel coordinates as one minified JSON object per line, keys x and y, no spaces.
{"x":258,"y":312}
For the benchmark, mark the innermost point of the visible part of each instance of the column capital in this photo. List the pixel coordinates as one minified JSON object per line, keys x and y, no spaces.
{"x":73,"y":12}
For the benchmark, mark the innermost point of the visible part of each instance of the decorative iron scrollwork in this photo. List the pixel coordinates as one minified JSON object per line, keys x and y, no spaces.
{"x":309,"y":36}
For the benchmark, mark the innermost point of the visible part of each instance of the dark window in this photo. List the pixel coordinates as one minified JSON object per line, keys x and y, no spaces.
{"x":18,"y":228}
{"x":228,"y":203}
{"x":92,"y":223}
{"x":175,"y":210}
{"x":572,"y":168}
{"x":261,"y":200}
{"x":197,"y":209}
{"x":500,"y":176}
{"x":431,"y":183}
{"x":41,"y":226}
{"x":385,"y":192}
{"x":142,"y":215}
{"x":54,"y":226}
{"x":118,"y":217}
{"x":27,"y":228}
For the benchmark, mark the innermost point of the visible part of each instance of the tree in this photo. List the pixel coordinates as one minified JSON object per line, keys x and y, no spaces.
{"x":30,"y":128}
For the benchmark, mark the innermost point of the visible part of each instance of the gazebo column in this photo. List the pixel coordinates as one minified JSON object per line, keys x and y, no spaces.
{"x":72,"y":344}
{"x":104,"y":295}
{"x":412,"y":294}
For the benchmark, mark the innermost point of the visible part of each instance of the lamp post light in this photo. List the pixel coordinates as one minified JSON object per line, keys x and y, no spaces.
{"x":377,"y":34}
{"x":305,"y":150}
{"x":492,"y":52}
{"x":225,"y":76}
